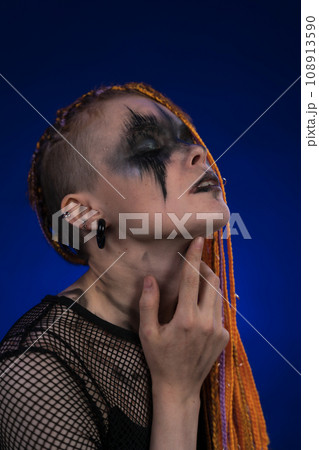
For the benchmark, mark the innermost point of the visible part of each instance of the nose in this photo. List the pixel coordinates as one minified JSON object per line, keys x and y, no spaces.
{"x":197,"y":156}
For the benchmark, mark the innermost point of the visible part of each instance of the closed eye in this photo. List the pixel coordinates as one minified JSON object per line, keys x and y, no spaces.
{"x":147,"y":154}
{"x":148,"y":145}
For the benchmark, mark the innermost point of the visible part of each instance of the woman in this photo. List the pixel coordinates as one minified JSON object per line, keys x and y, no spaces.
{"x":142,"y":351}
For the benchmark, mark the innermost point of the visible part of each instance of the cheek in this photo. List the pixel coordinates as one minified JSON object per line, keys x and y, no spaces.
{"x":175,"y":177}
{"x":142,"y":195}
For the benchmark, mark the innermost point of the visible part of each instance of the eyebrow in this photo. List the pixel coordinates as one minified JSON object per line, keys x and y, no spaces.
{"x":138,"y":123}
{"x":166,"y":115}
{"x":177,"y":125}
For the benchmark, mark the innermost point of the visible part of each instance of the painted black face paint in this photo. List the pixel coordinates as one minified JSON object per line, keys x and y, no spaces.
{"x":151,"y":141}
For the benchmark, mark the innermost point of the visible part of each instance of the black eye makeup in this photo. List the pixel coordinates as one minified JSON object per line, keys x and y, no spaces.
{"x":185,"y":135}
{"x":144,"y":131}
{"x":149,"y":141}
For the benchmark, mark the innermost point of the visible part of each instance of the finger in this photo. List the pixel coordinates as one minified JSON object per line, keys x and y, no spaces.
{"x":148,"y":306}
{"x":189,"y":284}
{"x":211,"y":301}
{"x":209,"y":285}
{"x":210,"y":296}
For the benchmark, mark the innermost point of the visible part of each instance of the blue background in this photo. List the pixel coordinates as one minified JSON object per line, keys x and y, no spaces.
{"x":224,"y":63}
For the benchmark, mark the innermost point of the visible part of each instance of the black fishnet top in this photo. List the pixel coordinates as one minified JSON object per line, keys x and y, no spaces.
{"x":84,"y":384}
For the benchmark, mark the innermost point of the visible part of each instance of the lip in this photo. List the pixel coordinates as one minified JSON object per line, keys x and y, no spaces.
{"x":208,"y":176}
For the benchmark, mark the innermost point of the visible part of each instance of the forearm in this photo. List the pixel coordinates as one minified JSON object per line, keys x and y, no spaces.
{"x":175,"y":422}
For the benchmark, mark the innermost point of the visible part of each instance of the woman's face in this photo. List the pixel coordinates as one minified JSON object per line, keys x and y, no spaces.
{"x":148,"y":155}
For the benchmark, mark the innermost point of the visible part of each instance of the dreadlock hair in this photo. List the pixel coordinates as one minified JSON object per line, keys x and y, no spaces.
{"x":231,"y":404}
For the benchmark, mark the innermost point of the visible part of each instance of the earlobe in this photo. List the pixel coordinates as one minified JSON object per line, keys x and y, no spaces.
{"x":86,"y":218}
{"x":93,"y":224}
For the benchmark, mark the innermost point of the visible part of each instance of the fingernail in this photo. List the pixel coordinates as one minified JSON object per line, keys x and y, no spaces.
{"x":199,"y":242}
{"x":147,"y":283}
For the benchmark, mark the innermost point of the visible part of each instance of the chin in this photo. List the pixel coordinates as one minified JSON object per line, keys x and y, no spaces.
{"x":218,"y":206}
{"x":199,"y":227}
{"x":223,"y":209}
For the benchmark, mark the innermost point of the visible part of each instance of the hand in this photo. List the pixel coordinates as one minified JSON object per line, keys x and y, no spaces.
{"x":181,"y":353}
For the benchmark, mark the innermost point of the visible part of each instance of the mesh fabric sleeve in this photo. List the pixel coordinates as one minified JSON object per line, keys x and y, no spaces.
{"x":44,"y":406}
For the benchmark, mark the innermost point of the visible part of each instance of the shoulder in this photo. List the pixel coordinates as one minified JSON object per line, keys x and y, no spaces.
{"x":48,"y":326}
{"x":29,"y":320}
{"x":46,"y":403}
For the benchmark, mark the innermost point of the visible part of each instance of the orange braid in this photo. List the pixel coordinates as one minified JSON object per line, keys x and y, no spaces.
{"x":241,"y":399}
{"x":239,"y":416}
{"x":217,"y":426}
{"x":217,"y":431}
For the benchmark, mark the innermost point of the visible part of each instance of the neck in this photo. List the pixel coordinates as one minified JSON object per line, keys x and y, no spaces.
{"x":115,"y":295}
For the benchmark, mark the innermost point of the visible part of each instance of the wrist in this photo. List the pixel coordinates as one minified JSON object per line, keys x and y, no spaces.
{"x":173,"y":396}
{"x":175,"y":418}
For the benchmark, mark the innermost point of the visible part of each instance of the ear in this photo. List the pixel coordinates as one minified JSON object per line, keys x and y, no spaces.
{"x":81,"y":212}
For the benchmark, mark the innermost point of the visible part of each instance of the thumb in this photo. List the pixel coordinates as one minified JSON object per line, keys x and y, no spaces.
{"x":149,"y":304}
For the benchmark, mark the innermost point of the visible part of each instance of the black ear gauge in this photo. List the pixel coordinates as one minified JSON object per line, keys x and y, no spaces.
{"x":100,"y":233}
